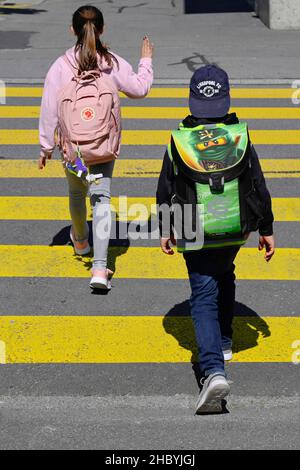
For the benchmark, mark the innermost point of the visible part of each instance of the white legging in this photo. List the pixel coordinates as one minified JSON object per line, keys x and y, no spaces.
{"x":100,"y":201}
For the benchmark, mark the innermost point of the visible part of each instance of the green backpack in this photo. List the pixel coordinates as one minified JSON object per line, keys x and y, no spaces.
{"x":212,"y":169}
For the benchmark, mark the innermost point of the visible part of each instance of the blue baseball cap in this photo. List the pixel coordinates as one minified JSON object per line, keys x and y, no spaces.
{"x":209,"y":92}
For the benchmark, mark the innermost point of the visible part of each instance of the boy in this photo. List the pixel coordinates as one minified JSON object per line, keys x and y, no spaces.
{"x":212,"y":162}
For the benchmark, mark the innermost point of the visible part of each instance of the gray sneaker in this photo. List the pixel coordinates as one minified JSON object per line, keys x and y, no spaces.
{"x":215,"y":388}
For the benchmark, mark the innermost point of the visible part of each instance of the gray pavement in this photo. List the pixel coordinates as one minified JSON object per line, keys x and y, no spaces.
{"x":31,"y":38}
{"x":56,"y":233}
{"x":121,"y":187}
{"x":140,"y":422}
{"x":135,"y":380}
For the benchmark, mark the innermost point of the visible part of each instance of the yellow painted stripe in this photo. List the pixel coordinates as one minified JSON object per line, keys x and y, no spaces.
{"x":281,"y":168}
{"x":258,"y":93}
{"x":137,"y":263}
{"x":57,"y":208}
{"x":21,"y":112}
{"x":147,"y":112}
{"x":135,"y":168}
{"x":138,"y":208}
{"x":155,"y":137}
{"x":137,"y":339}
{"x":286,"y":209}
{"x":129,"y":168}
{"x":21,"y":92}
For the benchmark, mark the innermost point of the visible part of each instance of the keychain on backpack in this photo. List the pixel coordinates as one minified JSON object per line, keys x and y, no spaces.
{"x":79,"y":169}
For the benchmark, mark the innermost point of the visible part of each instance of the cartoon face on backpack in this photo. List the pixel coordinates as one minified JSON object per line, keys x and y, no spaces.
{"x":215,"y":148}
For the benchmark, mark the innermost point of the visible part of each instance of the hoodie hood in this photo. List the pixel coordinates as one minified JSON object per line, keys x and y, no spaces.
{"x":103,"y":65}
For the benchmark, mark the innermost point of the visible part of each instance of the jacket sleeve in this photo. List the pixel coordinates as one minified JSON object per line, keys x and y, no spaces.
{"x":165,"y":191}
{"x":266,"y":225}
{"x":49,"y":113}
{"x":134,"y":85}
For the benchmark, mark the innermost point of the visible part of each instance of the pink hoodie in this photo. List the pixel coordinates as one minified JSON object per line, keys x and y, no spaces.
{"x":132,"y":84}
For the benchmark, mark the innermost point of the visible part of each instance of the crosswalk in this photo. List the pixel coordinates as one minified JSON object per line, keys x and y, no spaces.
{"x":57,"y":208}
{"x":139,"y":336}
{"x":155,"y":112}
{"x":155,"y":137}
{"x":169,"y":92}
{"x":135,"y":168}
{"x":57,"y":261}
{"x":85,"y":333}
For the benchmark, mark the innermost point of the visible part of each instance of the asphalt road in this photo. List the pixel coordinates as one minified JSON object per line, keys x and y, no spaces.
{"x":68,"y":384}
{"x":33,"y":35}
{"x":139,"y":405}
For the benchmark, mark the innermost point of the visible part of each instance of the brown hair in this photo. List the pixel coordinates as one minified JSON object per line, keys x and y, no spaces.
{"x":88,"y":24}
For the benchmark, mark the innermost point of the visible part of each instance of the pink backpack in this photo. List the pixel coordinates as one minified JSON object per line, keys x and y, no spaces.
{"x":89,"y":118}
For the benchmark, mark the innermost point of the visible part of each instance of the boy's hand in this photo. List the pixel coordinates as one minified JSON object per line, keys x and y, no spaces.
{"x":42,"y":161}
{"x":165,"y":245}
{"x":269,"y":243}
{"x":147,"y":48}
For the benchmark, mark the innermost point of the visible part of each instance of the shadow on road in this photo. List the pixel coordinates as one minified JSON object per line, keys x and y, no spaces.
{"x":15,"y":39}
{"x":10,"y":10}
{"x":218,"y":6}
{"x":248,"y":326}
{"x":117,"y":247}
{"x":194,"y":61}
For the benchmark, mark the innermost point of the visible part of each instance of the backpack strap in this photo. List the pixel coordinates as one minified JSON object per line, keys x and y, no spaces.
{"x":169,"y":151}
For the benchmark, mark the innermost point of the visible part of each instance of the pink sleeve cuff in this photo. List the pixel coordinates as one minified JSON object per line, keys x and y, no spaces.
{"x":146,"y":61}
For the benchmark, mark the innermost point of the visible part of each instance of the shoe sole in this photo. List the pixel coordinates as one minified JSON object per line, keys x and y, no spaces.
{"x":212,"y":402}
{"x":98,"y":283}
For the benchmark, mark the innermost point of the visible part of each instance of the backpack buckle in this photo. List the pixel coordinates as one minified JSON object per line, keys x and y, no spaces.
{"x":92,"y":178}
{"x":216,"y":183}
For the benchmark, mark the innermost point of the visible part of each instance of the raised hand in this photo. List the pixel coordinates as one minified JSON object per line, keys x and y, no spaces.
{"x":147,"y":48}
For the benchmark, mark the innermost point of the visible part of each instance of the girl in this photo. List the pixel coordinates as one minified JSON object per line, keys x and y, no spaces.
{"x":90,"y":53}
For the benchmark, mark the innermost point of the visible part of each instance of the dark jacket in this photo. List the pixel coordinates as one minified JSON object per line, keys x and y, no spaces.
{"x":166,"y":182}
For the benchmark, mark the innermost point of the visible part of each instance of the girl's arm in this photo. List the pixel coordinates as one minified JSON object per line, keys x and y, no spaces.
{"x":49,"y":117}
{"x":136,"y":85}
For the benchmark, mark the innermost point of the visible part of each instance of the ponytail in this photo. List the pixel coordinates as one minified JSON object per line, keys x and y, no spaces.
{"x":88,"y":58}
{"x":88,"y":24}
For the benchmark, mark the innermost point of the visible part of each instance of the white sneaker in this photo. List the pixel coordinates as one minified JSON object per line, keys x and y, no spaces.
{"x":101,"y":279}
{"x":215,"y":389}
{"x":227,"y":353}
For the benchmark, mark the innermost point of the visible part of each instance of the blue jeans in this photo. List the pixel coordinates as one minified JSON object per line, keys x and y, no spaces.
{"x":212,"y":280}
